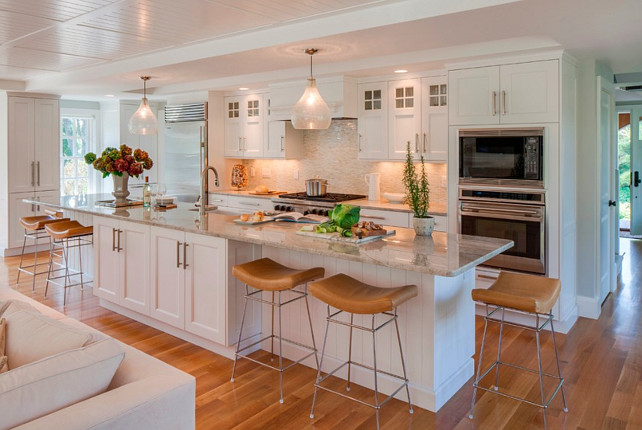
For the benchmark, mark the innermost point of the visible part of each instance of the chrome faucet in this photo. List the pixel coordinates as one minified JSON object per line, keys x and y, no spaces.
{"x":203,"y":197}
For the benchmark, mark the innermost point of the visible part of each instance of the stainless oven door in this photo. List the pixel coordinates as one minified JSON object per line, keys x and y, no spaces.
{"x":523,"y":224}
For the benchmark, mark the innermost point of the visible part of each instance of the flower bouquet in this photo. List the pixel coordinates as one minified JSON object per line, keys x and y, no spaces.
{"x":121,"y":164}
{"x":118,"y":161}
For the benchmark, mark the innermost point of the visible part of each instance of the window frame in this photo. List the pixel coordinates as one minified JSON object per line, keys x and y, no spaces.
{"x":92,"y":143}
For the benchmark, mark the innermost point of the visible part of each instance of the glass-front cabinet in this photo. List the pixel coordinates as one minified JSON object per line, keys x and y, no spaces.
{"x":373,"y":121}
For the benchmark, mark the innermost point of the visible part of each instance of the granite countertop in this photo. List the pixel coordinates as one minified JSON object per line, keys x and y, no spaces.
{"x":436,"y":208}
{"x":442,"y":254}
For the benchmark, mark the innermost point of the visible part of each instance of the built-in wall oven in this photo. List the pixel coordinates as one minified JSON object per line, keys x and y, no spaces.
{"x":513,"y":214}
{"x":502,"y":156}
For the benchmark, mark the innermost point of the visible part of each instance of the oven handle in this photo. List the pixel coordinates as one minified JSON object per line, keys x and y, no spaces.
{"x":500,"y":212}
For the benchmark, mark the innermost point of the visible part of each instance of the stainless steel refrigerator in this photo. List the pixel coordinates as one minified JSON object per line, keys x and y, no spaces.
{"x":184,"y":150}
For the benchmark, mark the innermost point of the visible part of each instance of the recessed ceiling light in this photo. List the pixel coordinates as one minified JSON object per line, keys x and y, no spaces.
{"x":109,"y":95}
{"x":401,"y":71}
{"x":243,"y":88}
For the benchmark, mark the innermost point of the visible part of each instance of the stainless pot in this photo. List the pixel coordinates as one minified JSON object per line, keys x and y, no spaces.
{"x":316,"y":187}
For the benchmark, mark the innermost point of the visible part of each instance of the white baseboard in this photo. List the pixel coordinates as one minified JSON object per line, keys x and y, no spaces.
{"x":589,"y":307}
{"x":29,"y":249}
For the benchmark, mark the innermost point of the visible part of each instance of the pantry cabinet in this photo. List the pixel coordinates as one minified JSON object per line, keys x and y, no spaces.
{"x":505,"y":94}
{"x":121,"y":252}
{"x":244,"y":126}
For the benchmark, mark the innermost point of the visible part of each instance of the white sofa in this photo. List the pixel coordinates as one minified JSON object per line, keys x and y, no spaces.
{"x":145,"y":393}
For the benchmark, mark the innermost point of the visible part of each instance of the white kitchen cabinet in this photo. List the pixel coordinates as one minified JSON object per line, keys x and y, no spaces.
{"x":204,"y":260}
{"x":34,"y":144}
{"x":283,"y":141}
{"x":373,"y":121}
{"x":121,"y":253}
{"x":505,"y":94}
{"x":390,"y":218}
{"x":244,"y":126}
{"x":248,"y":203}
{"x":19,"y":209}
{"x":404,"y":113}
{"x":188,"y":288}
{"x":434,"y":118}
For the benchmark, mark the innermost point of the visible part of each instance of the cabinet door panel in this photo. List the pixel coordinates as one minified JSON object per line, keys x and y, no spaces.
{"x":373,"y":121}
{"x":529,"y":92}
{"x":205,"y":287}
{"x":167,"y":292}
{"x":434,"y":118}
{"x":17,"y":210}
{"x":21,"y":149}
{"x":107,"y":280}
{"x":233,"y":126}
{"x":405,"y":117}
{"x":253,"y":127}
{"x":474,"y":96}
{"x":134,"y":258}
{"x":47,"y":144}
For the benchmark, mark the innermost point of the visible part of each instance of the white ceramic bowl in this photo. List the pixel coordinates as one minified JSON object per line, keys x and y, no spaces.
{"x":165,"y":200}
{"x":394,"y":197}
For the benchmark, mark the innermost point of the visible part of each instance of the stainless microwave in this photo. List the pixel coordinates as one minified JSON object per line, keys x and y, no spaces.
{"x":505,"y":156}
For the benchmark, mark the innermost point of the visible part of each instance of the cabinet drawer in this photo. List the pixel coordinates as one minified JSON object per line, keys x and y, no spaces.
{"x":391,"y":218}
{"x":249,"y":203}
{"x":485,"y":276}
{"x":218,"y":199}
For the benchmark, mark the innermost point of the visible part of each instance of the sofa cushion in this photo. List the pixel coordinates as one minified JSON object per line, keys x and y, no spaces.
{"x":12,"y":306}
{"x":32,"y":336}
{"x":47,"y":385}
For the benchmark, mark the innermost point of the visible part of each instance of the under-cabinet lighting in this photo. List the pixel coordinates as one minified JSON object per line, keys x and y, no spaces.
{"x":401,"y":71}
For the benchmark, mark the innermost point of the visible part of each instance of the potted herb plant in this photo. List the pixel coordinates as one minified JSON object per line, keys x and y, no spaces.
{"x":418,"y":194}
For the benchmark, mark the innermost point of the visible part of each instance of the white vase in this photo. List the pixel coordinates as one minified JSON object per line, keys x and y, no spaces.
{"x":120,"y":188}
{"x":423,"y":226}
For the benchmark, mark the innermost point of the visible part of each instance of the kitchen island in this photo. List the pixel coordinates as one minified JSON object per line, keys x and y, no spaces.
{"x":172,"y":270}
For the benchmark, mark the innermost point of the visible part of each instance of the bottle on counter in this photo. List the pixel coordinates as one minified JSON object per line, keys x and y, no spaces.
{"x":147,"y":193}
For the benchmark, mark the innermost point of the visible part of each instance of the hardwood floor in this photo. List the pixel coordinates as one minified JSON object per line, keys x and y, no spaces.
{"x":601,"y":362}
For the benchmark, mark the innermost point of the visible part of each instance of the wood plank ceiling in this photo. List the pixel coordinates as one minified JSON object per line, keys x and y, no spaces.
{"x":40,"y":36}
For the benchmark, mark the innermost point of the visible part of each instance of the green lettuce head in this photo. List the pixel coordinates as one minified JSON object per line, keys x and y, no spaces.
{"x":345,"y":216}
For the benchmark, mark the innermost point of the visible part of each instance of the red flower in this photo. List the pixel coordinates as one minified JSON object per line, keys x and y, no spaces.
{"x":135,"y":169}
{"x":121,"y":165}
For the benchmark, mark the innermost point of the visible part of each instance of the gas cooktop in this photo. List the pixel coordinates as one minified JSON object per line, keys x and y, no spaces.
{"x":329,"y":197}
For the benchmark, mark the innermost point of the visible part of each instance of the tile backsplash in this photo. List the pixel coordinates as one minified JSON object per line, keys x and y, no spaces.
{"x":332,"y":154}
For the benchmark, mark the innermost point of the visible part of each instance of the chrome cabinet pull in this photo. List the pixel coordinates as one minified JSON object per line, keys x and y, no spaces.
{"x":178,"y":254}
{"x":373,"y":217}
{"x":33,"y":173}
{"x":185,"y":245}
{"x":282,"y":143}
{"x":494,"y":103}
{"x":503,"y":102}
{"x":119,"y":248}
{"x":359,"y":142}
{"x":424,"y":142}
{"x":113,"y":239}
{"x":249,"y":204}
{"x":245,"y":144}
{"x":492,"y":278}
{"x":38,"y":168}
{"x":416,"y":142}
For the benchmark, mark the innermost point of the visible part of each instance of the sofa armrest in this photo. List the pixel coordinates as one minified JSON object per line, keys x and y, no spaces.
{"x":154,"y":403}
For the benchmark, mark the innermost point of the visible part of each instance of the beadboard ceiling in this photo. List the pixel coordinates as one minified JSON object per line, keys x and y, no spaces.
{"x":94,"y":47}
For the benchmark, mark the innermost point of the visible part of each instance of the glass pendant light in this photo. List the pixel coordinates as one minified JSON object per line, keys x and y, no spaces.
{"x":143,"y":121}
{"x":311,"y":112}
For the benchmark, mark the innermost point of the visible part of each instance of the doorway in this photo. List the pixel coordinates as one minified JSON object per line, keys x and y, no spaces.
{"x":630,"y":170}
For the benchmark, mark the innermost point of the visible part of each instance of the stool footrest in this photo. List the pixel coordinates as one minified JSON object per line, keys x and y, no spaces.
{"x":354,"y":363}
{"x":238,"y":352}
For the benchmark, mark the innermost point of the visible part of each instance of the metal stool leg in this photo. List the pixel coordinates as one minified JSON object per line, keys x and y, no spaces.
{"x":280,"y":352}
{"x":499,"y":351}
{"x":238,"y":344}
{"x":559,"y":370}
{"x":350,"y":350}
{"x":51,"y":253}
{"x":325,"y":341}
{"x":481,"y":355}
{"x":272,"y":331}
{"x":374,"y":360}
{"x":539,"y":366}
{"x":403,"y":363}
{"x":35,"y":265}
{"x":314,"y":344}
{"x":22,"y":255}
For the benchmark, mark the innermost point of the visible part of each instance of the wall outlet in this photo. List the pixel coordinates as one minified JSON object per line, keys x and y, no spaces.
{"x":252,"y":172}
{"x":295,"y":174}
{"x":266,"y":173}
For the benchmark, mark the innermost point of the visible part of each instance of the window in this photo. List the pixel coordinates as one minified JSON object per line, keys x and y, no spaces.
{"x":404,"y":97}
{"x":372,"y":100}
{"x":77,"y":138}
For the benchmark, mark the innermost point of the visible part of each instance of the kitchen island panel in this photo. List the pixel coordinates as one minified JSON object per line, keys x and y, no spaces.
{"x":437,"y":329}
